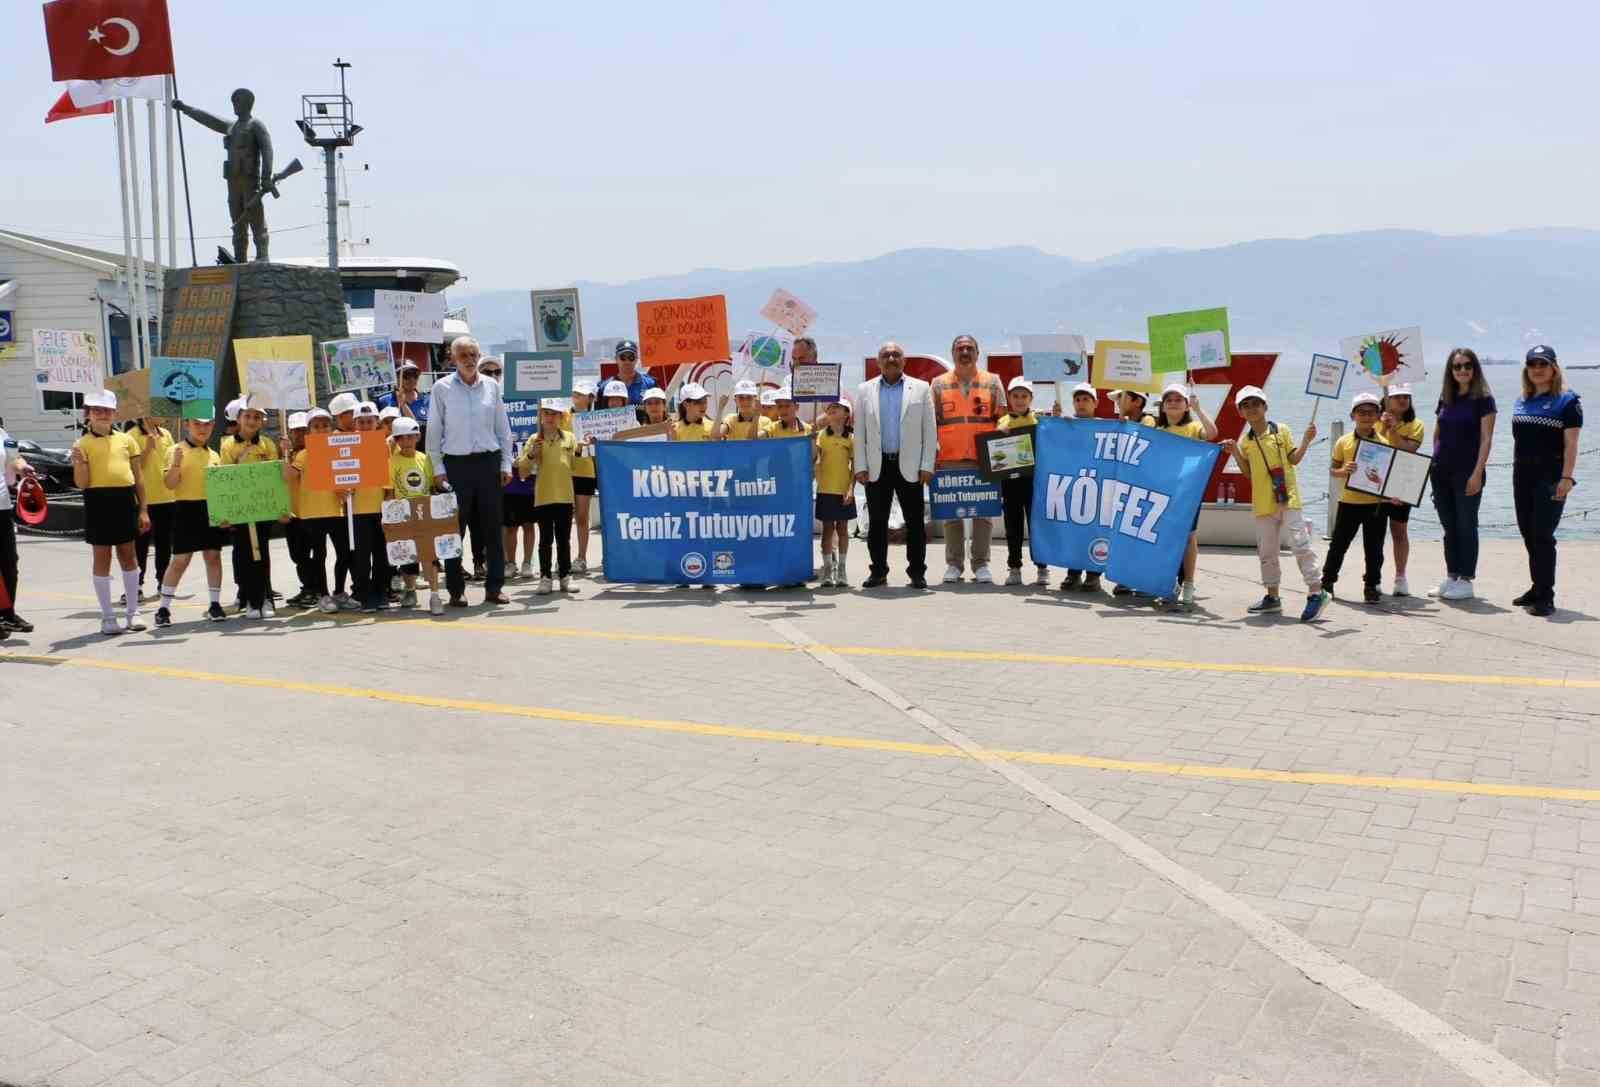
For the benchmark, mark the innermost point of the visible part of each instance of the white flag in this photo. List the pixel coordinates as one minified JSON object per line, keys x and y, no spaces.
{"x":92,"y":92}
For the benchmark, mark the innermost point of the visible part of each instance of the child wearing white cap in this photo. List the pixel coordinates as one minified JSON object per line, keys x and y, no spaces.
{"x":1267,"y":455}
{"x":584,"y":483}
{"x":411,"y":476}
{"x":295,"y":532}
{"x":745,"y":421}
{"x":1357,"y":511}
{"x":654,"y":406}
{"x":550,"y":453}
{"x":1400,"y":427}
{"x":1085,"y":402}
{"x":788,"y":423}
{"x":693,"y":424}
{"x":1181,"y":414}
{"x":106,"y":468}
{"x":1016,"y":492}
{"x":185,"y":469}
{"x":836,"y":491}
{"x":254,"y":574}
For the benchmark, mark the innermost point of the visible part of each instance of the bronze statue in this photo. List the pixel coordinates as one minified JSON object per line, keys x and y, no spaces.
{"x":248,"y":170}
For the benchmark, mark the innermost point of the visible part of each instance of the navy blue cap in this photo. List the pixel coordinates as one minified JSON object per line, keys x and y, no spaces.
{"x":625,"y":345}
{"x":1543,"y":351}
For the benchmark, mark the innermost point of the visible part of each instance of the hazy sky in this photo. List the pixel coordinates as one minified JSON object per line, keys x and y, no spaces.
{"x":537,"y":144}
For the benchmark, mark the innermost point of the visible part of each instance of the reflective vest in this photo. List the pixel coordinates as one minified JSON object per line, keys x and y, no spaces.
{"x":963,"y":415}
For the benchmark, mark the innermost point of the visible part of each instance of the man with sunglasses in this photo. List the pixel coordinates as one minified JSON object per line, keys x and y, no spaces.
{"x":629,"y":373}
{"x":407,"y":397}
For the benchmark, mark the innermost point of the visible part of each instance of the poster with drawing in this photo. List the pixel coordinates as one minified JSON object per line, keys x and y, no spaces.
{"x":558,"y":321}
{"x":1390,"y":357}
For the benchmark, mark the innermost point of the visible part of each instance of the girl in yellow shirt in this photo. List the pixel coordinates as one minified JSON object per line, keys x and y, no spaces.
{"x":254,"y":575}
{"x":1182,"y":414}
{"x":106,"y":468}
{"x":321,"y":520}
{"x":1400,"y":427}
{"x":836,"y":486}
{"x":553,"y":450}
{"x":155,"y":441}
{"x":788,"y":424}
{"x":692,"y":424}
{"x":184,"y":473}
{"x":583,"y":482}
{"x":1357,"y":511}
{"x":746,"y":421}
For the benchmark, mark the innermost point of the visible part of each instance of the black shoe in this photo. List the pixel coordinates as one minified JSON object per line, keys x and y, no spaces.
{"x":17,"y":623}
{"x":1091,"y":583}
{"x":1073,"y":581}
{"x":1122,"y":590}
{"x":1526,"y":599}
{"x":876,"y":581}
{"x":216,"y":614}
{"x":163,"y":617}
{"x":1371,"y":594}
{"x":753,"y":588}
{"x":458,"y":601}
{"x":496,"y":598}
{"x":1543,"y":608}
{"x":918,"y":583}
{"x":240,"y":606}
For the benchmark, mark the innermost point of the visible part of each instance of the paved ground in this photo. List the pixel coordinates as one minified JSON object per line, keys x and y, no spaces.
{"x":647,"y":836}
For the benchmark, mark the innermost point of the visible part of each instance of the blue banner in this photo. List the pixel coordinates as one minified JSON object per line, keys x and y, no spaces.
{"x":523,"y":415}
{"x":706,"y":513}
{"x":955,"y":493}
{"x":1117,"y":498}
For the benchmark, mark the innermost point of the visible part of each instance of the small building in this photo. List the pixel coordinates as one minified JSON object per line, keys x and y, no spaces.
{"x":46,"y":283}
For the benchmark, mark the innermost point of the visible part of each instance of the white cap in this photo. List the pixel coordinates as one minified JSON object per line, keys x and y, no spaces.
{"x":317,"y":413}
{"x":1140,"y":393}
{"x":104,"y":398}
{"x":1363,"y":398}
{"x":1249,"y":392}
{"x":389,"y":413}
{"x":231,"y":412}
{"x":746,"y":388}
{"x":1399,"y":390}
{"x":403,"y":427}
{"x":769,"y":398}
{"x":1019,"y":382}
{"x":298,"y":421}
{"x":844,"y":402}
{"x":1087,"y":389}
{"x":366,"y":408}
{"x":615,"y":388}
{"x":342,"y":403}
{"x":1181,"y":390}
{"x":554,"y":403}
{"x":693,"y":391}
{"x":784,"y":393}
{"x":584,"y":387}
{"x":655,"y":394}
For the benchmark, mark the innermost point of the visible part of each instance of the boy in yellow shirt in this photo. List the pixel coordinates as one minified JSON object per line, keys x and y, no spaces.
{"x":1358,"y":511}
{"x":745,"y":421}
{"x":788,"y":424}
{"x":553,"y":451}
{"x":411,"y":476}
{"x":251,"y":446}
{"x":1400,"y":428}
{"x":1016,"y":492}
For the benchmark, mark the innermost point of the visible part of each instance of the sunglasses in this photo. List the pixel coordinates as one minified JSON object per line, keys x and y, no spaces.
{"x":1465,"y":367}
{"x":1538,"y":364}
{"x":627,"y":356}
{"x":491,"y":371}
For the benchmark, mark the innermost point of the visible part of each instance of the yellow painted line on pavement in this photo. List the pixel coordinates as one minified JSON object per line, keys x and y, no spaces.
{"x":979,"y":656}
{"x":813,"y":739}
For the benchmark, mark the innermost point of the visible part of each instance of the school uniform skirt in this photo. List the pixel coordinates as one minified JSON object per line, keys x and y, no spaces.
{"x":585,"y":485}
{"x":192,"y":529}
{"x":110,"y":516}
{"x":833,"y":507}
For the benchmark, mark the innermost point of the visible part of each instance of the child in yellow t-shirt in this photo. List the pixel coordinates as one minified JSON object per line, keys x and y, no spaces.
{"x":1182,"y":414}
{"x":411,"y":476}
{"x":155,"y":441}
{"x":1358,"y":510}
{"x":745,"y":421}
{"x":692,"y":424}
{"x":836,"y":490}
{"x":106,"y":468}
{"x":1085,"y":402}
{"x":251,"y":446}
{"x":584,"y":484}
{"x":1266,"y":453}
{"x":788,"y":424}
{"x":553,"y":450}
{"x":1400,"y":427}
{"x":184,"y":473}
{"x":369,"y":560}
{"x":321,"y":520}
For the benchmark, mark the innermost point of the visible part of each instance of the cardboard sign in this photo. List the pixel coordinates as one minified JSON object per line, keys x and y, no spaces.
{"x":1388,"y":472}
{"x":133,"y":394}
{"x":1006,"y":453}
{"x":652,"y":432}
{"x":408,"y":316}
{"x":1390,"y":357}
{"x":1059,"y":357}
{"x":788,"y":312}
{"x":815,"y":382}
{"x":276,"y":385}
{"x":1193,"y":340}
{"x":347,"y":461}
{"x":183,"y":380}
{"x":239,"y":494}
{"x":678,"y":330}
{"x":558,"y":321}
{"x":533,"y":375}
{"x":956,"y":493}
{"x":361,"y":362}
{"x":422,"y":530}
{"x":1123,"y":364}
{"x":603,"y":425}
{"x":1326,"y":378}
{"x":65,"y":361}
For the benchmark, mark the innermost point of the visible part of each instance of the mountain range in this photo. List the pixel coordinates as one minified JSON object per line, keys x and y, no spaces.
{"x":1498,"y":293}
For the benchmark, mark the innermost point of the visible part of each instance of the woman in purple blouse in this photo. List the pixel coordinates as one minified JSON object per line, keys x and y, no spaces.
{"x":1462,"y":434}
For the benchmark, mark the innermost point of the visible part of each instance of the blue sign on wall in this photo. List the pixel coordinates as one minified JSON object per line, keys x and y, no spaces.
{"x":706,"y":513}
{"x":1117,"y":498}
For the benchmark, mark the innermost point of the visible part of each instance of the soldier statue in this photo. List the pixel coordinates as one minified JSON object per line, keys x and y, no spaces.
{"x":248,"y":170}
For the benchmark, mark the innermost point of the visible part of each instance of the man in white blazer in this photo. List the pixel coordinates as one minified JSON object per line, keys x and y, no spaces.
{"x":896,"y":441}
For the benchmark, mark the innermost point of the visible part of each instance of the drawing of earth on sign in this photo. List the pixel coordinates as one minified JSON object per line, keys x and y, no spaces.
{"x":557,"y":320}
{"x":766,"y":352}
{"x":1382,"y":354}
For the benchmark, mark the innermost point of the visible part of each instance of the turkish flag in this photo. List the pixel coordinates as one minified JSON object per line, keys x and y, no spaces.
{"x":65,"y":109}
{"x":108,"y":39}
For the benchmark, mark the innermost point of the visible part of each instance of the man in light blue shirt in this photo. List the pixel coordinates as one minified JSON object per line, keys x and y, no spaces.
{"x":890,"y":399}
{"x":469,"y":440}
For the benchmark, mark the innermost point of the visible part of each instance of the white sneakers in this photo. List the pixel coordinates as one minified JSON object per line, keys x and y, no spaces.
{"x":326,"y":605}
{"x":982,"y":574}
{"x":1453,"y":588}
{"x":527,"y":569}
{"x":268,"y":611}
{"x":579,"y":567}
{"x":1043,"y":576}
{"x":1014,"y":577}
{"x":566,"y":585}
{"x":544,"y":586}
{"x":252,"y":613}
{"x":1401,"y":586}
{"x":1186,"y":596}
{"x":952,"y":574}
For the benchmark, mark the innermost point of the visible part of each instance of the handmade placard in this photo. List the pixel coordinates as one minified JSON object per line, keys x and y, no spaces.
{"x":1326,"y":377}
{"x":422,"y":530}
{"x":361,"y":362}
{"x":679,"y":330}
{"x":1006,"y":453}
{"x":67,"y":361}
{"x":1192,"y":340}
{"x":652,"y":432}
{"x":1123,"y":364}
{"x":603,"y":424}
{"x":1391,"y":357}
{"x":788,"y":312}
{"x":241,"y":494}
{"x":1388,"y":472}
{"x":347,"y":461}
{"x":534,"y":375}
{"x":133,"y":394}
{"x":408,"y":316}
{"x":1058,"y":357}
{"x":815,"y":382}
{"x":558,"y":321}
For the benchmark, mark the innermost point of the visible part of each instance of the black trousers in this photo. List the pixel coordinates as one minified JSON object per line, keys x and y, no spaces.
{"x":162,"y":515}
{"x":1016,"y":501}
{"x":880,"y":496}
{"x":316,"y":533}
{"x":1538,"y":514}
{"x":369,"y":562}
{"x":1349,"y":519}
{"x":299,"y":537}
{"x":8,"y":554}
{"x":555,"y":528}
{"x":255,"y":575}
{"x":480,"y":496}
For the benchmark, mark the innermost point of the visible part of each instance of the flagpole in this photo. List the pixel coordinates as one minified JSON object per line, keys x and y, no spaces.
{"x":155,"y":219}
{"x":183,"y":157}
{"x":142,"y":300}
{"x":127,"y":236}
{"x":172,"y":182}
